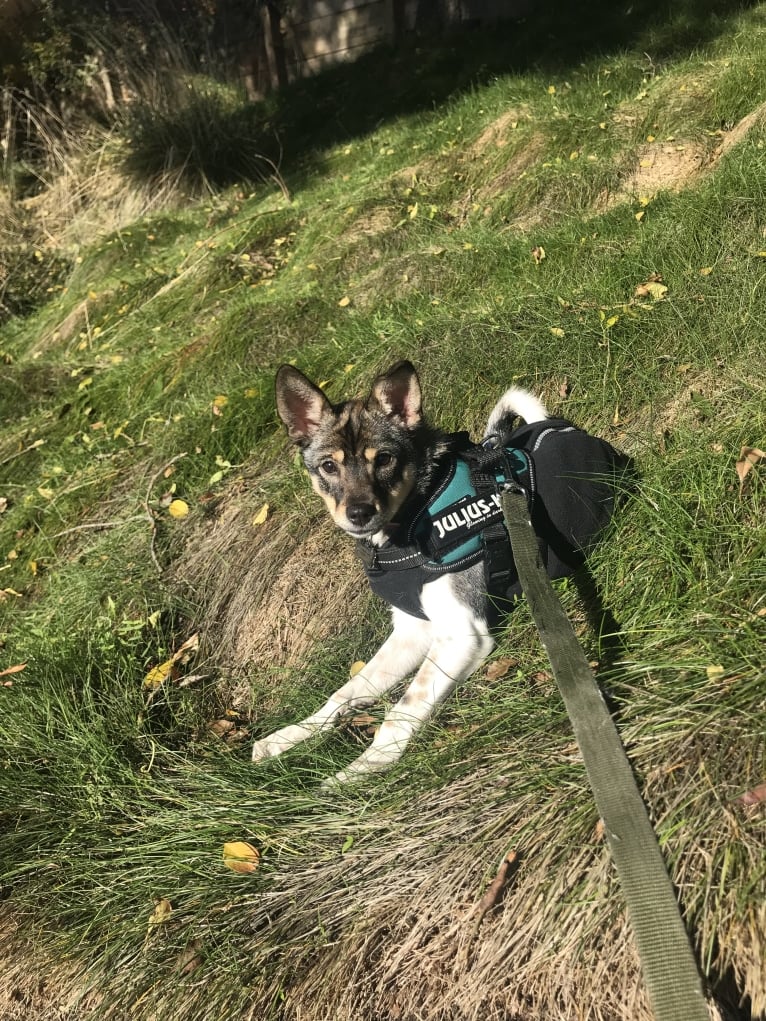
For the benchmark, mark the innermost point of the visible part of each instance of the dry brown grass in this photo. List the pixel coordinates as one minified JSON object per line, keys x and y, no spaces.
{"x":402,"y":907}
{"x":32,"y":987}
{"x":270,"y":594}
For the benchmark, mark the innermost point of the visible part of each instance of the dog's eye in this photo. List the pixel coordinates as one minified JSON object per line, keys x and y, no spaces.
{"x":383,"y":458}
{"x":328,"y":466}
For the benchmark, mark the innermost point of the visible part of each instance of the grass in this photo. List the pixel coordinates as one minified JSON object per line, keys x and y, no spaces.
{"x":422,"y":210}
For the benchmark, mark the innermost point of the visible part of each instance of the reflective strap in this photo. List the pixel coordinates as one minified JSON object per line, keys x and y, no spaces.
{"x":669,"y":968}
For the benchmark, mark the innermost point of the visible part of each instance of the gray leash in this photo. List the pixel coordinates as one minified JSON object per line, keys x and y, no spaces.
{"x":669,"y":968}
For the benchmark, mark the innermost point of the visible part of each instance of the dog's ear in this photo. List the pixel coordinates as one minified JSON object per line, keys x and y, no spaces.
{"x":300,"y":404}
{"x":397,"y":394}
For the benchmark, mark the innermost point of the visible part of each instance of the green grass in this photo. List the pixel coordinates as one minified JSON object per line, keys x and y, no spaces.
{"x":112,"y":799}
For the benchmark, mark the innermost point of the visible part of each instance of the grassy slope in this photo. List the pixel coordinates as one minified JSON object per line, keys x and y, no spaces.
{"x":110,"y":800}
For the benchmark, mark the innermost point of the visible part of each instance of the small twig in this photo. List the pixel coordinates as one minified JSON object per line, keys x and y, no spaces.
{"x":149,"y":513}
{"x":491,"y":898}
{"x":12,"y":457}
{"x":97,"y":526}
{"x":494,"y":892}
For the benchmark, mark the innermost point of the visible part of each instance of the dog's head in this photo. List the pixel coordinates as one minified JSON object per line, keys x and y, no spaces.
{"x":361,"y":455}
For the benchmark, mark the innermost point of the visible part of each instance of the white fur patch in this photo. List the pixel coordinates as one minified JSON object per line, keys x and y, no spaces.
{"x":516,"y":402}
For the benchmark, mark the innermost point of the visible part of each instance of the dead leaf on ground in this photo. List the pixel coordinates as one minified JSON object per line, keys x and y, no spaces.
{"x":228,"y":730}
{"x":241,"y":857}
{"x":191,"y":958}
{"x":754,"y":797}
{"x":541,"y":677}
{"x":749,"y":457}
{"x":362,"y":720}
{"x":261,"y":516}
{"x":221,"y":727}
{"x":652,"y":287}
{"x":13,"y":669}
{"x":500,"y":668}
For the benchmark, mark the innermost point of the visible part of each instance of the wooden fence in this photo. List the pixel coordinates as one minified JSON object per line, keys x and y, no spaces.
{"x":315,"y":34}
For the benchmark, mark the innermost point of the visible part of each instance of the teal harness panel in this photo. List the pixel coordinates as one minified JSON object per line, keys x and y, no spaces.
{"x":448,"y":528}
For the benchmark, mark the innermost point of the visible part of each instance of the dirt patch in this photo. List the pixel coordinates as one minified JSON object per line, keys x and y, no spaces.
{"x":671,"y":166}
{"x":497,"y":134}
{"x":740,"y":131}
{"x":32,"y":987}
{"x":659,"y":167}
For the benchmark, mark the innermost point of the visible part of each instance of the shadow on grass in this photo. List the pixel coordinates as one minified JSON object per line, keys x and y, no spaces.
{"x":217,"y":140}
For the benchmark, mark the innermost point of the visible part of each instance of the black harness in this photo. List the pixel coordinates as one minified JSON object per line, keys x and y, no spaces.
{"x":570,"y":480}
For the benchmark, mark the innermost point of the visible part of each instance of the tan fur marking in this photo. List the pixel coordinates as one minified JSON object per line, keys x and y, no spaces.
{"x":401,"y":490}
{"x":370,"y":453}
{"x":338,"y":455}
{"x":329,"y":500}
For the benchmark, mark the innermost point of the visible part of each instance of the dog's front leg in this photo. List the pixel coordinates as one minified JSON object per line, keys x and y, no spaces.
{"x":398,"y":657}
{"x":461,"y":642}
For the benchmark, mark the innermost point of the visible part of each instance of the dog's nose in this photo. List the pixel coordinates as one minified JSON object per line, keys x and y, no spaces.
{"x":360,"y":513}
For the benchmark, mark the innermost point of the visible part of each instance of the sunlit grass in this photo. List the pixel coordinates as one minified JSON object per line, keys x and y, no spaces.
{"x":165,"y":343}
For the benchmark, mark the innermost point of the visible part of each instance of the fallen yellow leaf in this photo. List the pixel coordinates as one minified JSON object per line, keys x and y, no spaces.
{"x":239,"y":856}
{"x":557,"y":331}
{"x":344,"y":301}
{"x":158,"y":675}
{"x":178,"y":508}
{"x":260,"y":517}
{"x":169,"y":669}
{"x":652,"y":288}
{"x":355,"y":667}
{"x":163,"y":909}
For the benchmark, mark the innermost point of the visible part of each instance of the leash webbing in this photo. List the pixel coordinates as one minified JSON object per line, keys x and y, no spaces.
{"x":669,"y":968}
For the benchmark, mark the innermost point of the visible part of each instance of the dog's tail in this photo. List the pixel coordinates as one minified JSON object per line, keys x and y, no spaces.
{"x":513,"y":404}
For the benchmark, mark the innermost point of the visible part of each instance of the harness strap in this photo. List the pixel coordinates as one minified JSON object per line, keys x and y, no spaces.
{"x":488,"y":463}
{"x":669,"y":968}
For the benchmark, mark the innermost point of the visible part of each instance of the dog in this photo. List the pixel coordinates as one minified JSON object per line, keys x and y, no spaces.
{"x":382,"y":471}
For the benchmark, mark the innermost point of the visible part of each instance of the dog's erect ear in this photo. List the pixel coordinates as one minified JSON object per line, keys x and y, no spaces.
{"x":300,"y":404}
{"x":397,"y":394}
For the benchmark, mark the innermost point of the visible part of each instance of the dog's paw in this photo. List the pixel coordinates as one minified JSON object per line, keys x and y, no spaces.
{"x":278,"y":742}
{"x":263,"y":750}
{"x":332,"y":784}
{"x":363,"y":768}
